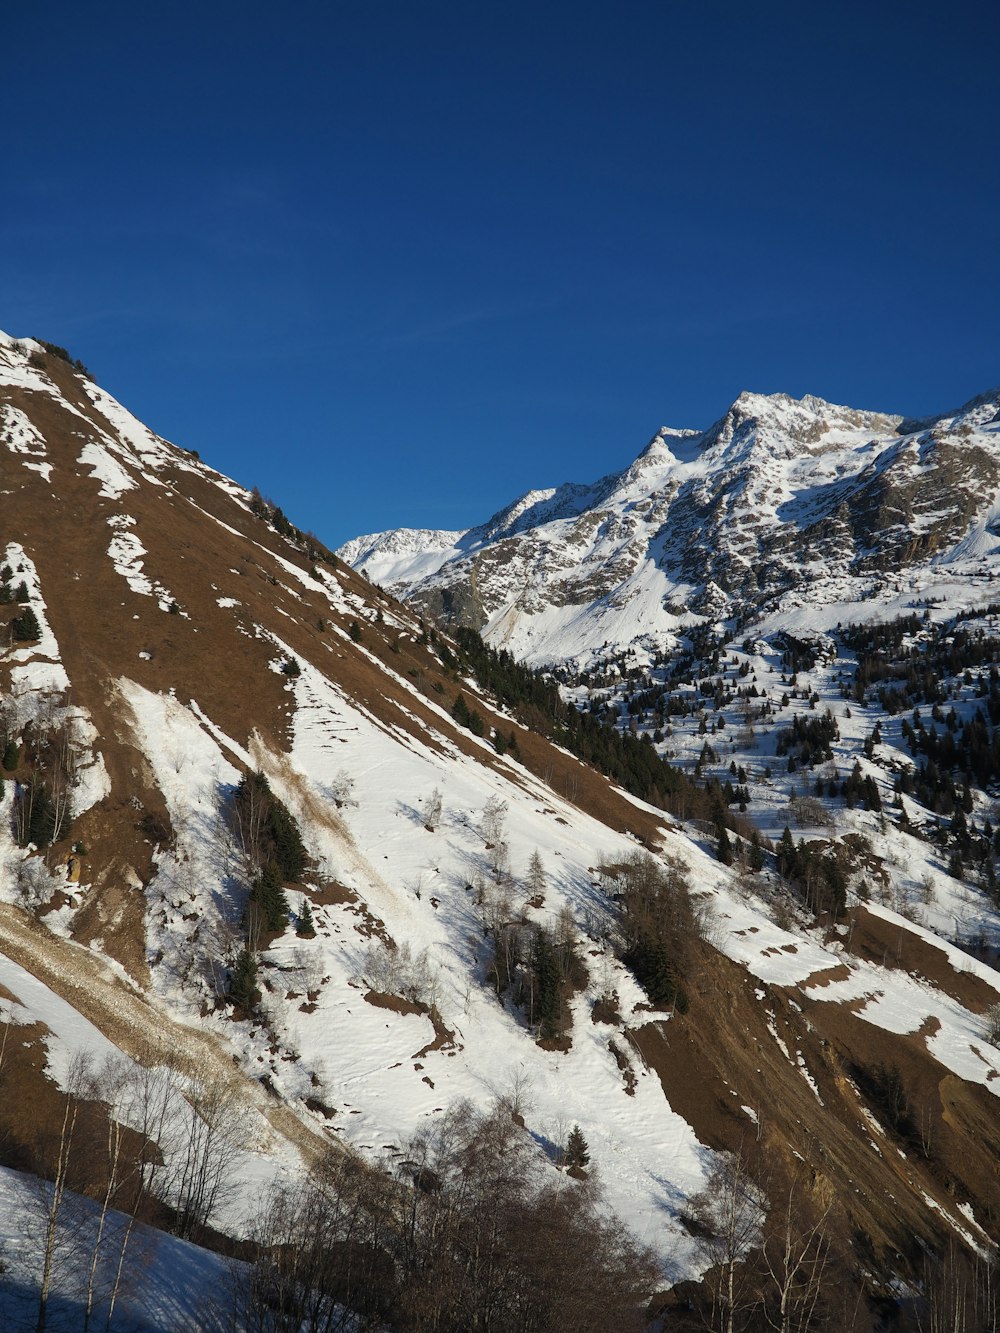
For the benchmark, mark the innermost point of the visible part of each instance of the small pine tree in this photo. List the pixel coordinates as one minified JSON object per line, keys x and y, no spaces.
{"x":269,"y":896}
{"x":21,"y":592}
{"x":354,"y":630}
{"x":243,"y":980}
{"x":547,"y":999}
{"x":25,"y":627}
{"x":725,"y":846}
{"x":756,"y":859}
{"x":577,"y":1152}
{"x":305,"y":926}
{"x":11,"y":755}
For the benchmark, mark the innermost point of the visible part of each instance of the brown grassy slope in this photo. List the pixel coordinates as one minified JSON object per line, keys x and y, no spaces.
{"x":202,"y":545}
{"x":941,"y":1140}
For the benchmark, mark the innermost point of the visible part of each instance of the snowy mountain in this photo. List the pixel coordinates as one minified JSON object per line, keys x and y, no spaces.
{"x":783,"y":503}
{"x":323,"y":885}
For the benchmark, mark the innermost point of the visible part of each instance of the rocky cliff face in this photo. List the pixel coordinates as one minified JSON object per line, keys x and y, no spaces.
{"x":782,"y":499}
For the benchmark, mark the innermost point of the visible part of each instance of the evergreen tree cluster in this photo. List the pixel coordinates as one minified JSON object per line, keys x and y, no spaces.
{"x":818,"y":874}
{"x":911,"y":660}
{"x":859,"y":790}
{"x":808,"y":740}
{"x":25,"y":627}
{"x":36,"y":817}
{"x":55,"y":350}
{"x":268,"y":512}
{"x":243,"y":979}
{"x":657,"y":925}
{"x":469,"y":718}
{"x":277,"y":838}
{"x":273,"y":843}
{"x":948,"y":673}
{"x":630,"y":761}
{"x":798,"y":654}
{"x":538,"y":973}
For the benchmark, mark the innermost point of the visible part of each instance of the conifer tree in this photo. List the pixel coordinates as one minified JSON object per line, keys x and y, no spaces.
{"x":305,"y":926}
{"x":756,"y":858}
{"x":536,"y":875}
{"x":269,"y":897}
{"x":243,"y":980}
{"x":25,"y":627}
{"x":577,"y":1152}
{"x":725,"y":845}
{"x":545,"y":967}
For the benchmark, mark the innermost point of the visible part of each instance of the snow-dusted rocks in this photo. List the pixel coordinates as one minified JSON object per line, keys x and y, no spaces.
{"x":782,"y":499}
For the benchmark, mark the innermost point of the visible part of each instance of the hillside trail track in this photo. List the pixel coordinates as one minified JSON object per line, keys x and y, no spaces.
{"x":139,"y":1028}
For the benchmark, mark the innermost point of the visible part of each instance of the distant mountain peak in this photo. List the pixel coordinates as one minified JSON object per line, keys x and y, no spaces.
{"x":781,"y":494}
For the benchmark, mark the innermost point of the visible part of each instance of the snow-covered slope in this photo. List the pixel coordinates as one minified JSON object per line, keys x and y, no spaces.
{"x":187,"y":635}
{"x":782,"y":502}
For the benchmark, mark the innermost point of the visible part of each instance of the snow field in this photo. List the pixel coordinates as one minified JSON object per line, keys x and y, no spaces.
{"x":363,"y":1060}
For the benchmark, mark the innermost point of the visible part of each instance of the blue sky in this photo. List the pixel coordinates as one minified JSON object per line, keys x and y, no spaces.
{"x":396,"y":263}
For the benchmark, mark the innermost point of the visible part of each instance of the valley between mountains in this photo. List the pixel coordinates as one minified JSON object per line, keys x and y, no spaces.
{"x":299,"y":845}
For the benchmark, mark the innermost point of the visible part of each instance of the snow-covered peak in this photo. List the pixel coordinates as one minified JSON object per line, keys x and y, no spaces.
{"x":780,"y":493}
{"x":808,"y":421}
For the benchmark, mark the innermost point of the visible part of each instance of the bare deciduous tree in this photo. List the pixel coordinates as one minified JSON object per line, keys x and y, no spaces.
{"x":59,"y":1152}
{"x":433,"y":806}
{"x":494,"y":820}
{"x":729,"y":1213}
{"x":796,"y":1259}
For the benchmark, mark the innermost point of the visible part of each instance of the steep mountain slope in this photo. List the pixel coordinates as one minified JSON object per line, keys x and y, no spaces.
{"x":782,"y":502}
{"x":187,"y":636}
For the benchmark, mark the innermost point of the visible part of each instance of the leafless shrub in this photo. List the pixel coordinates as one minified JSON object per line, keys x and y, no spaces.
{"x":808,"y":812}
{"x":401,"y":972}
{"x":342,"y":790}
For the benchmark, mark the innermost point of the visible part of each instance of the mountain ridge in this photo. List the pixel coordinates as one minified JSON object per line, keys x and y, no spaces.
{"x":779,"y":497}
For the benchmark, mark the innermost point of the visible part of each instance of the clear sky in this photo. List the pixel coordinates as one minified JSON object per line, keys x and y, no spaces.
{"x":397,"y":262}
